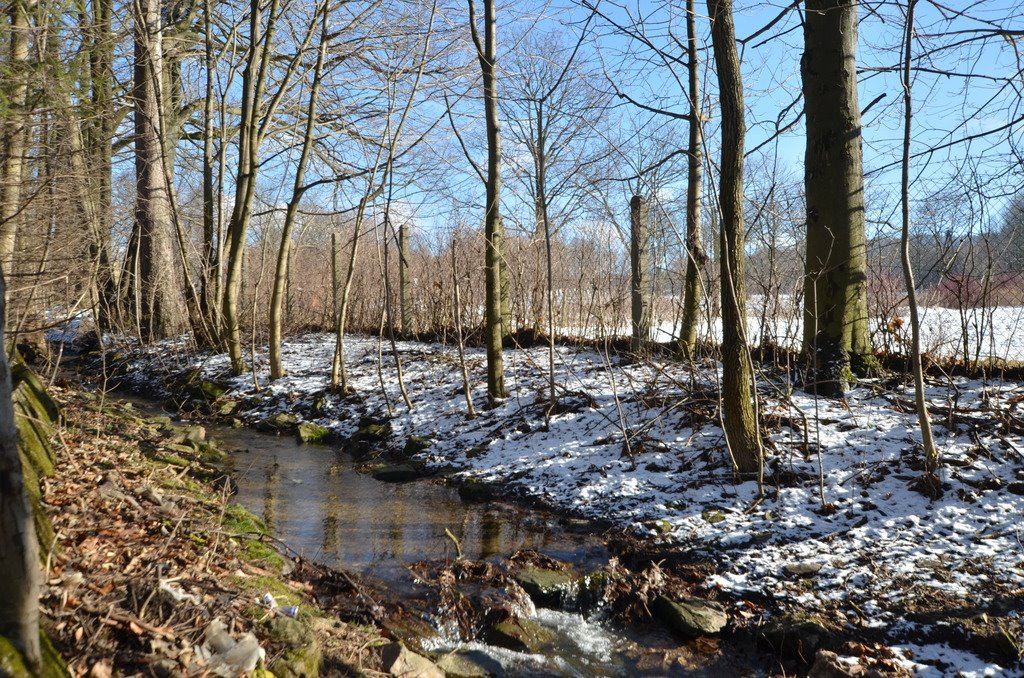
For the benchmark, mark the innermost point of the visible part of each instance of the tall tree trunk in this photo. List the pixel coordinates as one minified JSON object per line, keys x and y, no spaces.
{"x":298,"y":189}
{"x":835,"y":336}
{"x":405,"y":280}
{"x":496,"y":292}
{"x":639,"y":283}
{"x":695,"y":256}
{"x":739,"y":417}
{"x":931,"y":452}
{"x":15,"y":132}
{"x":160,"y":313}
{"x":210,"y":279}
{"x":101,"y":76}
{"x":19,"y":551}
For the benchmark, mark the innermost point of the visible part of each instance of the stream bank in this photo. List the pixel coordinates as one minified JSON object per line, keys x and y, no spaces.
{"x":882,"y":567}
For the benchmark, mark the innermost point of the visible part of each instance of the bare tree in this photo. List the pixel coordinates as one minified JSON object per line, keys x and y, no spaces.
{"x":486,"y":51}
{"x":739,"y":414}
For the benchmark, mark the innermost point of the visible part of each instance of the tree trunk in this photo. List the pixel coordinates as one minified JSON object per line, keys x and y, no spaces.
{"x":210,"y":279}
{"x":931,"y":452}
{"x":639,"y":284}
{"x":298,"y":189}
{"x":160,"y":312}
{"x":496,"y":292}
{"x":15,"y":132}
{"x":695,"y":257}
{"x":739,"y":417}
{"x":405,"y":280}
{"x":19,"y":551}
{"x":835,"y":336}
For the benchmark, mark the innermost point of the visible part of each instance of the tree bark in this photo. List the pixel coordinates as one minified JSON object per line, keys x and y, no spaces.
{"x":639,"y":283}
{"x":19,"y":551}
{"x":739,"y":417}
{"x":160,"y":307}
{"x":496,"y":292}
{"x":405,"y":280}
{"x":298,"y":189}
{"x":835,"y":335}
{"x":696,"y":259}
{"x":15,"y":132}
{"x":931,"y":452}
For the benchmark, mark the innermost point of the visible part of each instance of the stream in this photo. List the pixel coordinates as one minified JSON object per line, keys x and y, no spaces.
{"x":313,"y":499}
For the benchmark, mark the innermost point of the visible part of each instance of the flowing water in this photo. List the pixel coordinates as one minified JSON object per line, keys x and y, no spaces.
{"x":314,"y":500}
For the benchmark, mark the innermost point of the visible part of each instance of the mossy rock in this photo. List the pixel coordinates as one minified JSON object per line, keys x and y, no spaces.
{"x":546,"y":587}
{"x":298,"y":662}
{"x":277,"y":423}
{"x":308,"y":432}
{"x":416,"y":444}
{"x":161,"y":421}
{"x":212,"y":390}
{"x":210,"y":454}
{"x":228,"y":408}
{"x":239,"y":519}
{"x":520,"y":635}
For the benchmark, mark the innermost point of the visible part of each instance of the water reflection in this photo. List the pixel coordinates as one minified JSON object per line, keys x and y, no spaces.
{"x":321,"y":507}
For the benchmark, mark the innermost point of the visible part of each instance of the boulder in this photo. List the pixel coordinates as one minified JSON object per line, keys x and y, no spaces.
{"x":416,"y":444}
{"x":309,"y":432}
{"x":520,"y":635}
{"x":546,"y":587}
{"x":470,"y":664}
{"x":398,"y":473}
{"x":691,"y":617}
{"x":276,"y":423}
{"x":796,"y":637}
{"x":400,"y":661}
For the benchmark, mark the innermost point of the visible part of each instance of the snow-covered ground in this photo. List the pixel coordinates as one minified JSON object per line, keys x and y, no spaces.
{"x":992,"y":334}
{"x":880,"y":549}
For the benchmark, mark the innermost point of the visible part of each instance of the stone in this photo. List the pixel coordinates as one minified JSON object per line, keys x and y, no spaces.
{"x":227,"y":408}
{"x":416,"y":444}
{"x":801,"y":569}
{"x":399,"y":473}
{"x":400,"y":661}
{"x":795,"y":637}
{"x":212,"y":390}
{"x":195,"y":434}
{"x":691,"y":617}
{"x":470,"y":664}
{"x":520,"y":635}
{"x":830,"y":665}
{"x":160,"y":421}
{"x":546,"y":587}
{"x":309,"y":432}
{"x":275,"y":423}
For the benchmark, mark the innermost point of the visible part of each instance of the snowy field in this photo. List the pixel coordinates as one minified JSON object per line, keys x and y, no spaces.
{"x":878,"y":557}
{"x":992,"y":334}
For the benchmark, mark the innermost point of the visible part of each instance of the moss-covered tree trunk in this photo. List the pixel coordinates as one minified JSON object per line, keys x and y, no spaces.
{"x":19,"y":550}
{"x":639,"y":279}
{"x":738,"y":412}
{"x":835,"y":336}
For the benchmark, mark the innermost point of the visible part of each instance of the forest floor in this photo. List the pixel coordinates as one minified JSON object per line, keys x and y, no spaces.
{"x":155,"y":572}
{"x":844,"y":534}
